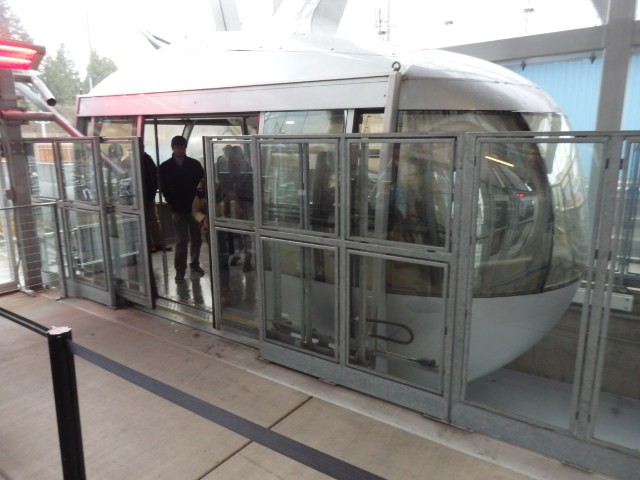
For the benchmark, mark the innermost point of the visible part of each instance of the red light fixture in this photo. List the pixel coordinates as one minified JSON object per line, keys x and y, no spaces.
{"x":17,"y":55}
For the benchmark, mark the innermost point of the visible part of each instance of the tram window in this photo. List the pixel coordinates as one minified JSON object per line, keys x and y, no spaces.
{"x":306,"y":122}
{"x":369,"y":122}
{"x":166,"y":131}
{"x":234,"y":180}
{"x":202,"y":130}
{"x":401,"y":192}
{"x":298,"y":188}
{"x":113,"y":127}
{"x":459,"y":121}
{"x":529,"y":232}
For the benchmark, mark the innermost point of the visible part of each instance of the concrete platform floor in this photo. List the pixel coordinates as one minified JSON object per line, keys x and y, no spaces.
{"x":128,"y":433}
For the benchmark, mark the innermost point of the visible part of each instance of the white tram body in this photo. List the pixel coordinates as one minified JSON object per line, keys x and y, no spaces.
{"x":235,"y":73}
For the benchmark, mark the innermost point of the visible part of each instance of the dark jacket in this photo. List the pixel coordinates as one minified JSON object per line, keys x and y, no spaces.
{"x":149,"y":177}
{"x":178,"y":184}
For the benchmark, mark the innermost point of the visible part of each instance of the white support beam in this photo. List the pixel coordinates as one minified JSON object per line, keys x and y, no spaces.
{"x":554,"y":44}
{"x":225,"y":15}
{"x":602,"y":7}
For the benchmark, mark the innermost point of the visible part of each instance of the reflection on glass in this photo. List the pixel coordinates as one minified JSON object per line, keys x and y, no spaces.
{"x":234,"y":181}
{"x":401,"y":192}
{"x":128,"y":267}
{"x":531,"y":219}
{"x":530,"y":256}
{"x":299,"y":185}
{"x":85,"y":243}
{"x":78,"y":172}
{"x":238,"y":287}
{"x":397,"y":318}
{"x":304,"y":122}
{"x":617,"y":414}
{"x":45,"y":223}
{"x":628,"y":260}
{"x":43,"y":181}
{"x":118,"y":174}
{"x":300,"y":296}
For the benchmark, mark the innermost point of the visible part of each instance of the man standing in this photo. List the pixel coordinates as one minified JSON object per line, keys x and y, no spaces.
{"x":179,"y":177}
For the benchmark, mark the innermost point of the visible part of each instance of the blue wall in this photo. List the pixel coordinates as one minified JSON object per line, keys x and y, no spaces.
{"x":573,"y":85}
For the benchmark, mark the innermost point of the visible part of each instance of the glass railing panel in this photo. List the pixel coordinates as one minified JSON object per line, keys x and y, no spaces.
{"x":530,"y":266}
{"x":397,"y":318}
{"x":300,"y":296}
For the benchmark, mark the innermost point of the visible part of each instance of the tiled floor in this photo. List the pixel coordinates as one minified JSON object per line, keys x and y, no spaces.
{"x":129,"y":433}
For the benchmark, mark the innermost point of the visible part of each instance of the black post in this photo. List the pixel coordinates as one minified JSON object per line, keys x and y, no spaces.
{"x":63,"y":373}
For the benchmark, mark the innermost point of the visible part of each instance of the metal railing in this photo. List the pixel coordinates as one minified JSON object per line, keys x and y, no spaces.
{"x":31,"y":248}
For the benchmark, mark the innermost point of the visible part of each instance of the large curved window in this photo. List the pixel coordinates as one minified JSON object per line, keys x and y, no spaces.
{"x":531,"y":216}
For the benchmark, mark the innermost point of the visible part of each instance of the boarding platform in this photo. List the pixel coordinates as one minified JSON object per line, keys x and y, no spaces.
{"x":129,"y":433}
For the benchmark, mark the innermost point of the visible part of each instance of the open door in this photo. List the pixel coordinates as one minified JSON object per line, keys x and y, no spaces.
{"x":98,"y":187}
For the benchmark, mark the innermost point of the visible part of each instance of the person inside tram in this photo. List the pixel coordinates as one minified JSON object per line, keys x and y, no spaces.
{"x":236,"y":182}
{"x":200,"y":213}
{"x":179,"y":177}
{"x":222,"y":170}
{"x":150,"y":181}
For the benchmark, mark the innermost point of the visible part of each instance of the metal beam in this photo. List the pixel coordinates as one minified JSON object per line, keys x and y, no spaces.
{"x":617,"y":54}
{"x":225,"y":15}
{"x":602,"y":7}
{"x":554,"y":44}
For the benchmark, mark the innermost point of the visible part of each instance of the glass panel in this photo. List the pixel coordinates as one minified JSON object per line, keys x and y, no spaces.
{"x":42,"y":172}
{"x":526,"y":188}
{"x":617,"y":417}
{"x":532,"y":240}
{"x":305,"y":122}
{"x":426,"y":121}
{"x":8,"y":243}
{"x":120,"y":187}
{"x":370,"y":122}
{"x":45,"y":128}
{"x":630,"y":120}
{"x":300,"y":296}
{"x":234,"y":180}
{"x":397,"y":318}
{"x":401,"y":191}
{"x":87,"y":253}
{"x":165,"y":133}
{"x":126,"y":253}
{"x":238,"y":287}
{"x":114,"y":127}
{"x":628,"y":261}
{"x":46,"y":223}
{"x":286,"y":170}
{"x":201,"y":130}
{"x":78,"y":172}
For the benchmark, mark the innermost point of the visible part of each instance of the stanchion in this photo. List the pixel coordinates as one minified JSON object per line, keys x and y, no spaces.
{"x":63,"y":372}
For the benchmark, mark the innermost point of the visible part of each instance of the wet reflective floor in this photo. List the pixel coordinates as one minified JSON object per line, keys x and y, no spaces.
{"x":239,"y":306}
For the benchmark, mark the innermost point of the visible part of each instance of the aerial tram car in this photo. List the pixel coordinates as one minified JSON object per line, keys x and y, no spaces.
{"x":393,"y":193}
